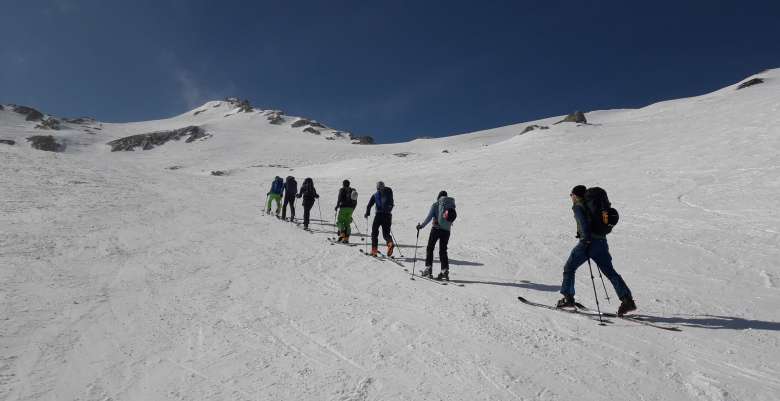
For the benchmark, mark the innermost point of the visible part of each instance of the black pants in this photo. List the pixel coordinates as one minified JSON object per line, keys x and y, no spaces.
{"x":443,"y":236}
{"x":306,"y":209}
{"x":291,"y":202}
{"x":384,"y":220}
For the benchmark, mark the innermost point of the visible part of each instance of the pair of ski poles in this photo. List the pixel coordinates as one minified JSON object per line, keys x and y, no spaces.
{"x":593,"y":281}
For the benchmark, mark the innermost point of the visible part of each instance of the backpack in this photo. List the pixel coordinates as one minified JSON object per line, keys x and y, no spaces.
{"x":446,"y":214}
{"x":353,"y":195}
{"x":603,"y":217}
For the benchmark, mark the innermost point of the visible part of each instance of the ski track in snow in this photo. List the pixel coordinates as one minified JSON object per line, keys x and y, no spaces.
{"x":125,"y":280}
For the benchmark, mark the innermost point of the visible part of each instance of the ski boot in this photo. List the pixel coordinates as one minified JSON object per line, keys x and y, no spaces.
{"x":627,"y":305}
{"x":390,"y":247}
{"x":374,"y":252}
{"x":427,"y":272}
{"x":444,"y":275}
{"x":566,"y":302}
{"x":345,"y":240}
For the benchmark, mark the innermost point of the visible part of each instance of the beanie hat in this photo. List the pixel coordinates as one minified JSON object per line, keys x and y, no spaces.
{"x":441,"y":194}
{"x":345,"y":183}
{"x":380,"y":185}
{"x":579,"y":190}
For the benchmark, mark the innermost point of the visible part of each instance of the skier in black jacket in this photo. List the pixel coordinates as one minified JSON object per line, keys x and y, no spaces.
{"x":309,"y":194}
{"x":290,"y":189}
{"x":347,"y":201}
{"x":383,"y":199}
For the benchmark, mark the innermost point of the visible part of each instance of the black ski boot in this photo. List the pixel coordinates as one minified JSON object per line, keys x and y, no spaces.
{"x":444,"y":275}
{"x":626,"y":306}
{"x":427,"y":272}
{"x":566,"y":302}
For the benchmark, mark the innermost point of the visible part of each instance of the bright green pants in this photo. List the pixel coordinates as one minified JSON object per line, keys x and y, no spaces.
{"x":345,"y":220}
{"x":276,"y":198}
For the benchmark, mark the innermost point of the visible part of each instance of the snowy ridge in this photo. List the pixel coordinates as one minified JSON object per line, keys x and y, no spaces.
{"x":138,"y":275}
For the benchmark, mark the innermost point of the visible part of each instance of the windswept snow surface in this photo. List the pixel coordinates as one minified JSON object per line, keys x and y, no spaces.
{"x":123,"y":279}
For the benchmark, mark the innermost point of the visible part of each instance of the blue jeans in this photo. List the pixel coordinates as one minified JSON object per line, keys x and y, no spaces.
{"x":599,"y":252}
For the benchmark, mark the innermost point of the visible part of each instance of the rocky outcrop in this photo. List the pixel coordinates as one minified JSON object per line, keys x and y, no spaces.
{"x":150,"y":140}
{"x":300,"y":123}
{"x":46,"y":143}
{"x":311,"y":130}
{"x":576,"y":117}
{"x":750,"y":82}
{"x":7,"y":141}
{"x":275,"y":117}
{"x":49,"y":123}
{"x":80,"y":120}
{"x":241,"y":104}
{"x":31,"y":113}
{"x":361,"y":140}
{"x":218,"y":173}
{"x":533,"y":127}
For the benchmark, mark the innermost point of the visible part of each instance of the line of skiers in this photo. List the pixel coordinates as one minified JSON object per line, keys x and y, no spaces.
{"x":593,"y":215}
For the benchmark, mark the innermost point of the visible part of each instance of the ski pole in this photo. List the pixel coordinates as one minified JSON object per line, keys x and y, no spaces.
{"x":265,"y":205}
{"x":364,"y":238}
{"x":606,"y":293}
{"x":414,"y":263}
{"x":319,"y":208}
{"x":396,"y":244}
{"x":593,"y":281}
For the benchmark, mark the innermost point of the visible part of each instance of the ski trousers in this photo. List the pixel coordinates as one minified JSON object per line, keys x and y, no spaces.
{"x":291,"y":201}
{"x":599,"y":252}
{"x":274,"y":198}
{"x":344,"y":220}
{"x":443,"y":236}
{"x":384,"y":220}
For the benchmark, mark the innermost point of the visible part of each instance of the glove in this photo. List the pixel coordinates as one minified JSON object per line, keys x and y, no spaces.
{"x":366,"y":215}
{"x":418,"y":227}
{"x":316,"y":196}
{"x":298,"y":196}
{"x":335,"y":208}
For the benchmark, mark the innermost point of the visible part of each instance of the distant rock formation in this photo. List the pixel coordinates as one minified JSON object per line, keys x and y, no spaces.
{"x":46,"y":143}
{"x":311,"y":130}
{"x":304,"y":121}
{"x":275,"y":117}
{"x":31,"y":113}
{"x":533,"y":127}
{"x":576,"y":117}
{"x":7,"y":141}
{"x":750,"y":82}
{"x":150,"y":140}
{"x":361,"y":140}
{"x":49,"y":123}
{"x":218,"y":173}
{"x":241,"y":104}
{"x":80,"y":120}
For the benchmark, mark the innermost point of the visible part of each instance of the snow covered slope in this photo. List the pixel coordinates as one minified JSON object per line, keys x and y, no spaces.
{"x":139,"y":276}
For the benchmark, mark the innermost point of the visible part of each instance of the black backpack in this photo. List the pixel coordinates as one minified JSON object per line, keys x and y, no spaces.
{"x":603,"y":217}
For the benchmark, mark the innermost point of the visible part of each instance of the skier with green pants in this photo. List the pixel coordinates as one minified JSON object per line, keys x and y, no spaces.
{"x":275,"y":195}
{"x":346,"y":203}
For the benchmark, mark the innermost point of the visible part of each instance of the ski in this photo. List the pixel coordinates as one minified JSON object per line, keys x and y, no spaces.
{"x":633,"y":318}
{"x":335,"y":241}
{"x":576,"y":311}
{"x":585,"y":311}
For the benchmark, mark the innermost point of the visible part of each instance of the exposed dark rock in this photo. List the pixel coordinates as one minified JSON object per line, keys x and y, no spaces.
{"x":533,"y":127}
{"x":150,"y":140}
{"x":361,"y":140}
{"x":242,"y":104}
{"x":218,"y":173}
{"x":576,"y":117}
{"x":275,"y":117}
{"x":330,"y":138}
{"x":424,"y":137}
{"x":173,"y":168}
{"x":301,"y":122}
{"x":401,"y":154}
{"x":750,"y":82}
{"x":7,"y":141}
{"x":80,"y":120}
{"x":31,"y":113}
{"x":1,"y":107}
{"x":49,"y":123}
{"x":445,"y":151}
{"x":316,"y":124}
{"x":46,"y":142}
{"x":198,"y":112}
{"x":338,"y":134}
{"x":311,"y":130}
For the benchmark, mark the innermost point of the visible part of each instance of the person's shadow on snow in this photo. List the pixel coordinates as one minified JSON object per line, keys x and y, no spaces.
{"x":715,"y":322}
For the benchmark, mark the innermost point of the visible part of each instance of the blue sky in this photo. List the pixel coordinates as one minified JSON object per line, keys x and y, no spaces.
{"x":395,"y":70}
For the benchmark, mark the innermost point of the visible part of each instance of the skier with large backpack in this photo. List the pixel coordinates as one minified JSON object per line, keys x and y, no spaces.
{"x":275,"y":195}
{"x":345,"y":204}
{"x":383,"y":199}
{"x":595,"y":218}
{"x":443,"y":214}
{"x":309,"y":194}
{"x":290,"y":190}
